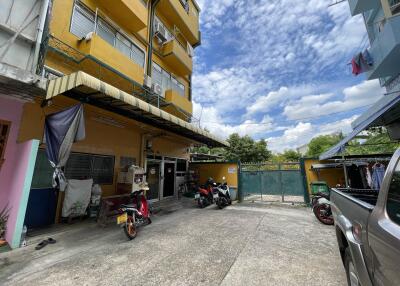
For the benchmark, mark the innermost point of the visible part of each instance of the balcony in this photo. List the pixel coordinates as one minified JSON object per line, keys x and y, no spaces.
{"x":187,"y":23}
{"x":102,"y":51}
{"x":360,"y":6}
{"x":131,"y":14}
{"x":385,"y":50}
{"x":182,"y":107}
{"x":177,"y":57}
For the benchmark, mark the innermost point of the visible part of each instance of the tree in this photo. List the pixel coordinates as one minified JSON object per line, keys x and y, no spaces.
{"x":246,"y":149}
{"x":378,"y":142}
{"x":291,"y":156}
{"x":322,"y":143}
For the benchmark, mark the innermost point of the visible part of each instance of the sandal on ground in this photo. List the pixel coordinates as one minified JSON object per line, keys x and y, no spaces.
{"x":41,"y":245}
{"x":51,"y":240}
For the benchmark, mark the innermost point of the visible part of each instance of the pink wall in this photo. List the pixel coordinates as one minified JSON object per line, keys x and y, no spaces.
{"x":12,"y":173}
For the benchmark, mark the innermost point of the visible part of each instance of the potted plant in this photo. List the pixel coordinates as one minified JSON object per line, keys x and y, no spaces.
{"x":4,"y":213}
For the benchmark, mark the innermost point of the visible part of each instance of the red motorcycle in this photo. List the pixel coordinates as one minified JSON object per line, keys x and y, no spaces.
{"x":204,"y":196}
{"x":135,"y":214}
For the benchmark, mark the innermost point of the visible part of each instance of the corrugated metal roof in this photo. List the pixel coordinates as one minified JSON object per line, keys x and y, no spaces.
{"x":87,"y":88}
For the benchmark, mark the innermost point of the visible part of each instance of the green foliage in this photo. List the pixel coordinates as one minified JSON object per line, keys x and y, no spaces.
{"x":378,"y":142}
{"x":246,"y":149}
{"x":320,"y":144}
{"x":241,"y":148}
{"x":291,"y":156}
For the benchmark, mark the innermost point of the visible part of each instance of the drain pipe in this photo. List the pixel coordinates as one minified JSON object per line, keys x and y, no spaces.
{"x":153,"y":6}
{"x":40,"y":28}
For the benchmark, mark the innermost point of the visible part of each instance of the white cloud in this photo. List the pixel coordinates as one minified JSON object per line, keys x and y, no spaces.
{"x":303,"y":132}
{"x":227,"y":89}
{"x":274,"y":98}
{"x":212,"y":120}
{"x":363,"y":94}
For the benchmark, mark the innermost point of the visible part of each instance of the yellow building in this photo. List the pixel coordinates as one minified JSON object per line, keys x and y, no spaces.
{"x":130,"y":63}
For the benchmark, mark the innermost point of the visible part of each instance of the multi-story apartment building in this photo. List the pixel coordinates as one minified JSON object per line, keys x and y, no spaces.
{"x":111,"y":41}
{"x":382,"y":22}
{"x":129,"y":62}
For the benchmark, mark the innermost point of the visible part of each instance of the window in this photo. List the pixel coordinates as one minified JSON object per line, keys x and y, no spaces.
{"x":393,"y":200}
{"x":83,"y":166}
{"x":181,"y":165}
{"x":106,"y":32}
{"x":164,"y":78}
{"x":83,"y":22}
{"x":185,"y":5}
{"x":4,"y":132}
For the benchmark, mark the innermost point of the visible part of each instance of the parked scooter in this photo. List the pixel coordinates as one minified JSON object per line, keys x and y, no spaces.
{"x":222,"y":195}
{"x":204,"y":196}
{"x":135,"y":214}
{"x":321,"y":206}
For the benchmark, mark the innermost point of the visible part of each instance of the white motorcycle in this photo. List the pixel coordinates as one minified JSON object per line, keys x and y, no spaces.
{"x":222,"y":195}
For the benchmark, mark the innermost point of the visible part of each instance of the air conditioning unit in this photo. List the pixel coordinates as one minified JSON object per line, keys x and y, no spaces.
{"x":160,"y":32}
{"x":147,"y":81}
{"x":190,"y":50}
{"x":157,"y":89}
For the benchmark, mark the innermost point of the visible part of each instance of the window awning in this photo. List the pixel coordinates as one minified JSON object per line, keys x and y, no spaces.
{"x":388,"y":112}
{"x":87,"y":88}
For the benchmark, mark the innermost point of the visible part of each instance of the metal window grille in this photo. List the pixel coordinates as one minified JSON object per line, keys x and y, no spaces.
{"x":100,"y":168}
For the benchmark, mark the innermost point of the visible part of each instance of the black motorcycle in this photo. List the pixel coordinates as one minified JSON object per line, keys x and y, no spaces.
{"x":321,"y":207}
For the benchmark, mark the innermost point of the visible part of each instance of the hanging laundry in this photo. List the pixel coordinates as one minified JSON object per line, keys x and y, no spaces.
{"x":356,"y":70}
{"x":367,"y":58}
{"x":369,"y":177}
{"x":358,"y":59}
{"x":359,"y":64}
{"x":378,"y":172}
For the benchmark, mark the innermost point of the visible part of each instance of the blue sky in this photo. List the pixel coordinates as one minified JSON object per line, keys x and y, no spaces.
{"x":278,"y":70}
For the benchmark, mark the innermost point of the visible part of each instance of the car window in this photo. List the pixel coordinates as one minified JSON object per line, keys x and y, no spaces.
{"x":393,"y":200}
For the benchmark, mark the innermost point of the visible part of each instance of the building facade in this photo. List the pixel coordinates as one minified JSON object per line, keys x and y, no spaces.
{"x":379,"y":61}
{"x":129,"y":62}
{"x":382,"y":23}
{"x":20,"y":39}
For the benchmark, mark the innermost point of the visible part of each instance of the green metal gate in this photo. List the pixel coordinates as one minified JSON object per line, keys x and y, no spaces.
{"x":272,"y":182}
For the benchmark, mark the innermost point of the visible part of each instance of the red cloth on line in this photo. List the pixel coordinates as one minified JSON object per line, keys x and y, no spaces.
{"x":356,"y":68}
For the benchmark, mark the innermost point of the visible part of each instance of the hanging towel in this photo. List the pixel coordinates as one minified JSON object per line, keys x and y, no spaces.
{"x":378,"y":172}
{"x":367,"y":58}
{"x":369,"y":177}
{"x":356,"y":70}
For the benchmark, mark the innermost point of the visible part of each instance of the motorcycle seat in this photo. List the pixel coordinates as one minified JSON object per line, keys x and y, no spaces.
{"x":323,"y":195}
{"x":130,"y":206}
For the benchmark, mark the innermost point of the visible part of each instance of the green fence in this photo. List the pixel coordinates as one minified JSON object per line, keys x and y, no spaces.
{"x":272,"y":182}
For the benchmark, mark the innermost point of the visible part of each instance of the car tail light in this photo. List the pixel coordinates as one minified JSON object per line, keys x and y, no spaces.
{"x":357,"y":232}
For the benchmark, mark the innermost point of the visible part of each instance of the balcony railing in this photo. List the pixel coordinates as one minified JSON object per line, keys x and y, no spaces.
{"x":76,"y":60}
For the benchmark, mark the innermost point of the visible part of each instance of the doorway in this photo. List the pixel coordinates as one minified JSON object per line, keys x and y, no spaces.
{"x":153,"y":179}
{"x":169,"y":179}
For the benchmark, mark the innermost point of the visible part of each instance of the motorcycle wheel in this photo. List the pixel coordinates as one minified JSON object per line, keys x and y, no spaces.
{"x":320,"y":211}
{"x":130,"y":228}
{"x":200,"y":203}
{"x":219,"y":204}
{"x":149,"y":221}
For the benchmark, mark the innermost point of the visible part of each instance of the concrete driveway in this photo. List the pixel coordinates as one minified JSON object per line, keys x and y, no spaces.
{"x":247,"y":244}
